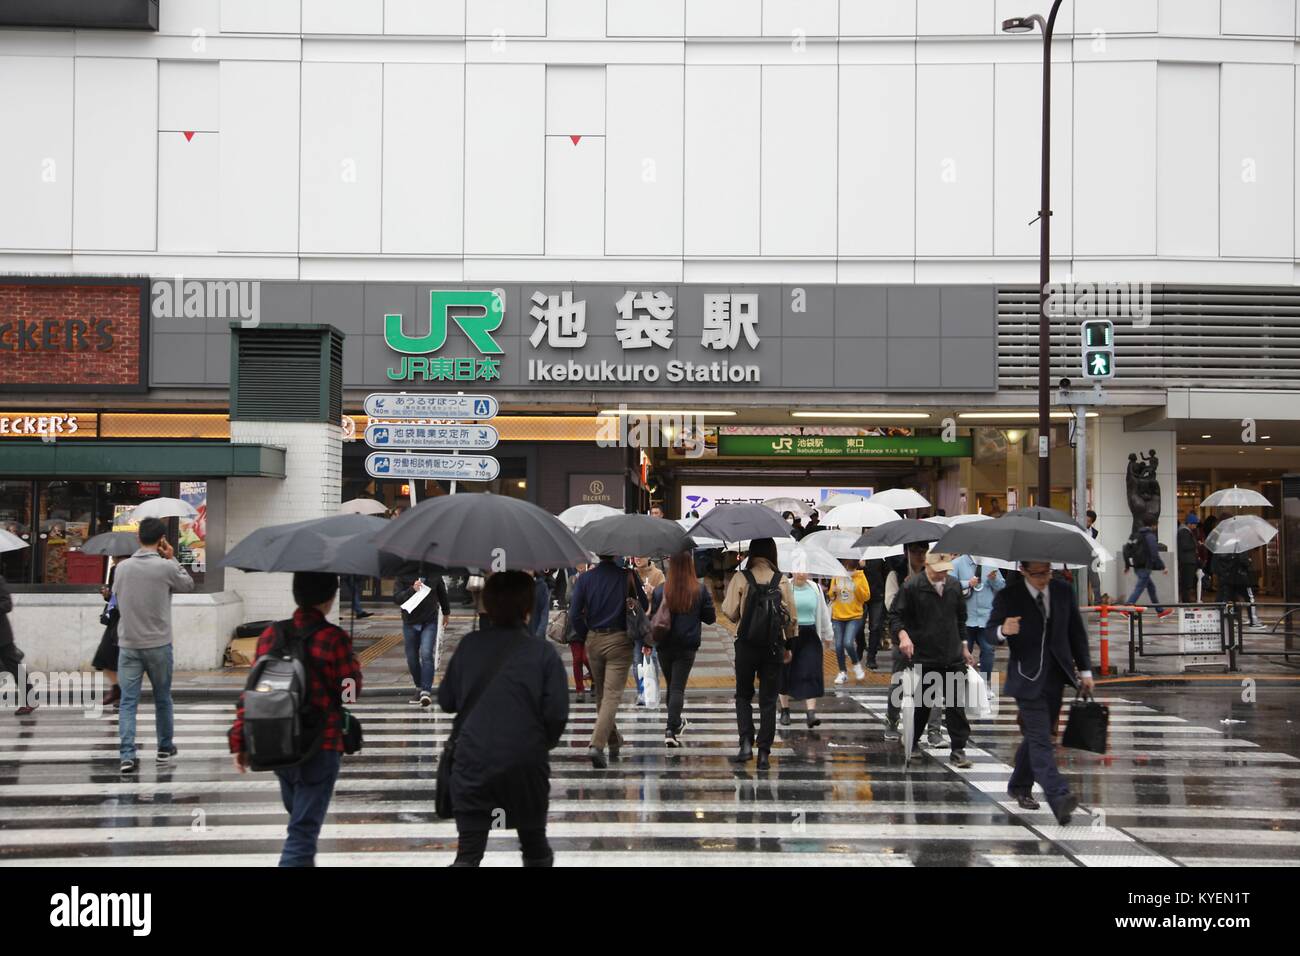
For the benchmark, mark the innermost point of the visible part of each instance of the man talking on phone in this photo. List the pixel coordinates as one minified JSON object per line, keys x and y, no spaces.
{"x":144,"y":585}
{"x":1038,"y":618}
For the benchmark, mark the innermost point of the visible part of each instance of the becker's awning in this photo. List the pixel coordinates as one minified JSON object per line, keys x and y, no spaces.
{"x":131,"y":461}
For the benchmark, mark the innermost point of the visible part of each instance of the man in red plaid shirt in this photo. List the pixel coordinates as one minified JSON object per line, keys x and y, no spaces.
{"x":335,"y":678}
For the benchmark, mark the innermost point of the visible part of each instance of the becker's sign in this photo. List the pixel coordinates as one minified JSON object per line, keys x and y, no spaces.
{"x":73,"y":335}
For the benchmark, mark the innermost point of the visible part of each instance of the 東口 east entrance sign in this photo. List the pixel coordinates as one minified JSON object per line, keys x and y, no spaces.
{"x":842,"y":446}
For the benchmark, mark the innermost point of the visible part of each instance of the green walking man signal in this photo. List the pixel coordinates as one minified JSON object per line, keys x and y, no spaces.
{"x":1098,"y":349}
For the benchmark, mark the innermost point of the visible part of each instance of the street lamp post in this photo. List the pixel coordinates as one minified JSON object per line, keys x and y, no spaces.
{"x":1026,"y":25}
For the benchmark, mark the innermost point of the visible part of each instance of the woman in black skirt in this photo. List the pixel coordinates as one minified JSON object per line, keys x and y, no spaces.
{"x":802,"y":678}
{"x":105,"y":658}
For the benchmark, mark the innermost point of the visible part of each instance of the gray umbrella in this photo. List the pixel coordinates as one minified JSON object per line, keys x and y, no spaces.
{"x":115,"y":544}
{"x":1041,"y":513}
{"x":741,"y":522}
{"x":902,"y":531}
{"x":638,"y":535}
{"x":1016,"y":538}
{"x":483,"y":531}
{"x":339,"y":544}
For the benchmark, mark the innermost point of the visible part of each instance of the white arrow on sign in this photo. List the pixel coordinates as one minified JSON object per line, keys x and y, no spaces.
{"x":382,"y":464}
{"x":423,"y":405}
{"x":462,"y":437}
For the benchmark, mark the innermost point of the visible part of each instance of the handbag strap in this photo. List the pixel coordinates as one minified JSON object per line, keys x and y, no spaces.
{"x":486,"y":680}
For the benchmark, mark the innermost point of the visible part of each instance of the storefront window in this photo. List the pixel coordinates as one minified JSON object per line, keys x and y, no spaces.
{"x":65,"y":512}
{"x":16,"y":518}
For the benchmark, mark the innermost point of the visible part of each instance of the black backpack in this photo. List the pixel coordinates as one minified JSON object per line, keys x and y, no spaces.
{"x":1135,"y":552}
{"x":281,"y":727}
{"x":764,"y":620}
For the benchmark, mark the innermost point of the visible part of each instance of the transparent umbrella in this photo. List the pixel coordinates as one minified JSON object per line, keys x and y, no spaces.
{"x":581,"y":515}
{"x":1235,"y":497}
{"x":161,"y":508}
{"x":11,"y":542}
{"x":900,"y":499}
{"x":792,"y":505}
{"x":860,"y":514}
{"x":363,"y":506}
{"x":1242,"y":533}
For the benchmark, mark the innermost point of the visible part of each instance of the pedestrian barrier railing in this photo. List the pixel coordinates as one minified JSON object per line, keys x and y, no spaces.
{"x":1212,"y":632}
{"x":1254,"y":637}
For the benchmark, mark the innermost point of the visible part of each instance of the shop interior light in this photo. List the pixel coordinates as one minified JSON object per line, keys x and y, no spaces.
{"x":1018,"y":416}
{"x":661,"y":411}
{"x":910,"y":416}
{"x":1207,"y":436}
{"x":1015,"y":435}
{"x":523,"y":484}
{"x":1265,"y":437}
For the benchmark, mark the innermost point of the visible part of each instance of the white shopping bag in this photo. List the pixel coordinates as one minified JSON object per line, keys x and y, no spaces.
{"x":910,"y":679}
{"x":977,"y":694}
{"x":648,"y":671}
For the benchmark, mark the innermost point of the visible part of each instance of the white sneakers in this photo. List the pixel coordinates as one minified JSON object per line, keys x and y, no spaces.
{"x":858,"y":672}
{"x":842,"y":678}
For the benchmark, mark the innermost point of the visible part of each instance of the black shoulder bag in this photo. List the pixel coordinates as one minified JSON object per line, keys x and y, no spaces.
{"x":446,"y":762}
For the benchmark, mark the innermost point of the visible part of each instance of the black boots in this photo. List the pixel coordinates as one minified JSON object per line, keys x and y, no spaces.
{"x":785,"y":716}
{"x":813,"y":719}
{"x":746,"y":751}
{"x":762,"y":760}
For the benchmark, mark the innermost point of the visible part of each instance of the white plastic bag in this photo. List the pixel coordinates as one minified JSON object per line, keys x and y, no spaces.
{"x":648,"y":671}
{"x":977,"y":694}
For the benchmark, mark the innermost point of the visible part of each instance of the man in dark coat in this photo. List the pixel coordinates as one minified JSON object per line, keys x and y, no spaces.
{"x":513,"y":690}
{"x":929,"y":617}
{"x":1039,"y":620}
{"x":10,"y":655}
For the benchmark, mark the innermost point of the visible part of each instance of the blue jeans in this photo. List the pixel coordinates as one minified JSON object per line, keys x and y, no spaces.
{"x":846,"y":639}
{"x":306,"y":791}
{"x":1144,"y":583}
{"x":977,"y":635}
{"x":419,"y":640}
{"x":132,"y":665}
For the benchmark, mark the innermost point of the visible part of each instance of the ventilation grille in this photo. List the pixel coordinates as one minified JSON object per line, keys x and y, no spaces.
{"x":1198,"y":336}
{"x":288,"y":375}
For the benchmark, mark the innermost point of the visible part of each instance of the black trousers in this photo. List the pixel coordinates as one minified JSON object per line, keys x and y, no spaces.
{"x":875,"y":627}
{"x":676,"y":665}
{"x":954,"y":716}
{"x":472,"y":832}
{"x":1035,"y":760}
{"x":1186,"y":583}
{"x":763,"y":664}
{"x":10,"y":657}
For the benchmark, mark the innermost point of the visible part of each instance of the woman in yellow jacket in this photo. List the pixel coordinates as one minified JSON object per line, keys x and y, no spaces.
{"x":848,"y":595}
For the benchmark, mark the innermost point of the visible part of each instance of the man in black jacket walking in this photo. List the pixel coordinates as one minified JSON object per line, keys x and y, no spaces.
{"x":420,"y":624}
{"x":10,"y":655}
{"x":929,"y":618}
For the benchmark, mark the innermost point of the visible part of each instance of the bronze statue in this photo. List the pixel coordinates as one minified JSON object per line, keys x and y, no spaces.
{"x":1143,"y":488}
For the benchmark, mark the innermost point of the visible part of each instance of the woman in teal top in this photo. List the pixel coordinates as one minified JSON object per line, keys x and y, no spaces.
{"x":802,"y":677}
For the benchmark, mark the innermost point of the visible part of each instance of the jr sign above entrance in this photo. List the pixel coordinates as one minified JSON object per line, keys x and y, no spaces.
{"x":483,"y":313}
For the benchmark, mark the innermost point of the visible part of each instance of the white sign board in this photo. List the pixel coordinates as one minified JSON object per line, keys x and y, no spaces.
{"x":382,"y":464}
{"x":1199,"y":639}
{"x":435,"y":407}
{"x":462,"y":437}
{"x":703,"y":498}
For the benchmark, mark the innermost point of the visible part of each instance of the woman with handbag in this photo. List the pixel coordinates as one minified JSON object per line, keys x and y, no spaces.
{"x":511,"y":702}
{"x":686,"y":603}
{"x":105,"y":658}
{"x":802,"y":677}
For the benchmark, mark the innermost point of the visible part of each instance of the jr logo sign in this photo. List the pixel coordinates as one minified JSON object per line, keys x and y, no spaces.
{"x":478,"y":313}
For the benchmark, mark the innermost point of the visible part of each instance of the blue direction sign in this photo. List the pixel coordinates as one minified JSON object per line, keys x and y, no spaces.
{"x":461,"y":437}
{"x":382,"y":464}
{"x":421,"y":405}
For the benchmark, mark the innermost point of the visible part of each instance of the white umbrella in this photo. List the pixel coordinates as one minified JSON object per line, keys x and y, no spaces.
{"x":953,"y":520}
{"x":877,"y":552}
{"x":836,"y":543}
{"x":839,"y":498}
{"x":363,"y":506}
{"x":792,"y":505}
{"x":581,"y":515}
{"x":1242,"y":533}
{"x":11,"y":542}
{"x":161,"y":508}
{"x":900,"y":499}
{"x":860,"y":514}
{"x":795,"y":556}
{"x":1235,"y":497}
{"x":1102,"y":555}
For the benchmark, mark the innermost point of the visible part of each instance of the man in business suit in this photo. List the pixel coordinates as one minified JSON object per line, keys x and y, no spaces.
{"x":1039,"y":619}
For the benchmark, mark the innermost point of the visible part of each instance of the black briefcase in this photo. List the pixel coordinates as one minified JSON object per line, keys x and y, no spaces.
{"x":1085,"y":729}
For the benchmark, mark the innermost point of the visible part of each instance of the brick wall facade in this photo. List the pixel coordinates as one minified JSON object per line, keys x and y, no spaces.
{"x":80,"y":335}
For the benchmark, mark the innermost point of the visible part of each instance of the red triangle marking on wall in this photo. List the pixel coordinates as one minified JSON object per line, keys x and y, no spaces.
{"x":575,"y":139}
{"x":189,"y":135}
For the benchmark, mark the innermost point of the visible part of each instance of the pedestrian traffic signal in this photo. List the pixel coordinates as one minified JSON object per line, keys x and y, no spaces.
{"x":1098,"y":349}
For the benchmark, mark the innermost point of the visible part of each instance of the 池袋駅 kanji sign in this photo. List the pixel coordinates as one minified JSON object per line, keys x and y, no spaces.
{"x":842,"y":446}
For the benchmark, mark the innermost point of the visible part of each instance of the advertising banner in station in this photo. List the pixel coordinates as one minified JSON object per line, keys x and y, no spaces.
{"x":702,"y":499}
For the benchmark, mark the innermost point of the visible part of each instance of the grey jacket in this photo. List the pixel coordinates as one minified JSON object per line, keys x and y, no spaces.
{"x":144,"y":585}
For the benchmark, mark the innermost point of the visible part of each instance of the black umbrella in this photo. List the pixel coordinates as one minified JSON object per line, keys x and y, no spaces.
{"x":1016,"y":538}
{"x":486,"y":531}
{"x":1040,"y":513}
{"x":115,"y":544}
{"x":903,"y":531}
{"x":741,"y":522}
{"x":639,"y":535}
{"x":339,"y":544}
